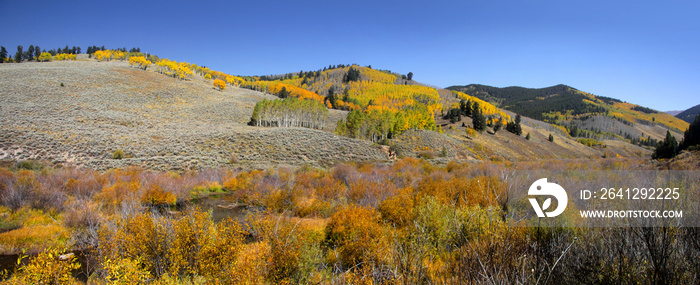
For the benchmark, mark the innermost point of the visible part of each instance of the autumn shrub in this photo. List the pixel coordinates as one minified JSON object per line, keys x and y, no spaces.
{"x":34,"y":231}
{"x":370,"y":192}
{"x":84,"y":186}
{"x":252,"y":264}
{"x":295,"y":251}
{"x":143,"y":236}
{"x":155,"y":196}
{"x":121,"y":191}
{"x":125,"y":271}
{"x":354,"y":236}
{"x":399,"y":210}
{"x":241,"y":186}
{"x":46,"y":268}
{"x":220,"y":84}
{"x":201,"y":247}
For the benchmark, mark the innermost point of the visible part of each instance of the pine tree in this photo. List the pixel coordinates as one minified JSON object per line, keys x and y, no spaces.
{"x":528,"y":136}
{"x":18,"y":55}
{"x":497,"y":126}
{"x":691,"y":137}
{"x":409,"y":76}
{"x":478,"y":119}
{"x":3,"y":54}
{"x":666,"y":149}
{"x":30,"y":51}
{"x":37,"y":52}
{"x":352,"y":75}
{"x":551,"y":138}
{"x":515,"y":127}
{"x":331,"y":99}
{"x":283,"y":93}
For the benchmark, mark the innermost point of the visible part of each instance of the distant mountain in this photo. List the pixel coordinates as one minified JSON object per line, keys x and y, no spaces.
{"x":574,"y":109}
{"x":690,"y":114}
{"x":673,"y":113}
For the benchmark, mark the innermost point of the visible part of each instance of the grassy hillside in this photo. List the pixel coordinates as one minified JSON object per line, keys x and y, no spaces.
{"x":167,"y":115}
{"x":156,"y":121}
{"x":571,"y":108}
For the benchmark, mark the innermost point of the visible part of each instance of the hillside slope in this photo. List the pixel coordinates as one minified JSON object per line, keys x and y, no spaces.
{"x":600,"y":117}
{"x":690,"y":114}
{"x":157,"y":121}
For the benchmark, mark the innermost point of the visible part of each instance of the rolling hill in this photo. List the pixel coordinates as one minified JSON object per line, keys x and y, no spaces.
{"x":591,"y":116}
{"x":170,"y":117}
{"x":690,"y":114}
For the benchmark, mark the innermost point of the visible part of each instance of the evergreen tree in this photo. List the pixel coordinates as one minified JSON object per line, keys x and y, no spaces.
{"x":18,"y":55}
{"x":37,"y":52}
{"x":478,"y":119}
{"x":283,"y":93}
{"x":352,"y":75}
{"x":515,"y":127}
{"x":691,"y":137}
{"x":528,"y":136}
{"x":466,"y":107}
{"x":551,"y":138}
{"x":666,"y":149}
{"x":409,"y":76}
{"x":497,"y":127}
{"x":3,"y":54}
{"x":30,"y":51}
{"x":331,"y":98}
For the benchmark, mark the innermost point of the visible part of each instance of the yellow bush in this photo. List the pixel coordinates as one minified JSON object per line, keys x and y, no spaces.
{"x":251,"y":265}
{"x":156,"y":196}
{"x":46,"y":268}
{"x":355,"y":234}
{"x":118,"y":192}
{"x":125,"y":271}
{"x":398,"y":210}
{"x":64,"y":56}
{"x":218,"y":83}
{"x":45,"y":56}
{"x":34,"y":238}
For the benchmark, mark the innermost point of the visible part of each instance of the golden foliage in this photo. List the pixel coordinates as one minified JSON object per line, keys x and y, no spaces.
{"x":486,"y":108}
{"x":46,"y":268}
{"x":220,"y":84}
{"x":354,"y":235}
{"x":179,"y":70}
{"x":140,"y":61}
{"x":45,"y":56}
{"x":156,"y":196}
{"x":64,"y":56}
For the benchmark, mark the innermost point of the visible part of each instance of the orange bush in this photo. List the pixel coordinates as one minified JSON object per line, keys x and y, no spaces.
{"x":398,"y":210}
{"x":220,"y":84}
{"x":355,"y":234}
{"x":156,"y":196}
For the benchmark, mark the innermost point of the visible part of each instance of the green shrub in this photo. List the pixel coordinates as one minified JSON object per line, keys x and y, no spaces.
{"x":118,"y":154}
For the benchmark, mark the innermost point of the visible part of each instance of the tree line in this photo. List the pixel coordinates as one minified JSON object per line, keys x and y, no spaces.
{"x":669,"y":147}
{"x":289,"y":112}
{"x":34,"y":52}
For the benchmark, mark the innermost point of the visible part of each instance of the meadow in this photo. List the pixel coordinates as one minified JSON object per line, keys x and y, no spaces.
{"x":410,"y":222}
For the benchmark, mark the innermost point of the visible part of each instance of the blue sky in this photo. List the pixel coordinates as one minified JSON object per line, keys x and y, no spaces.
{"x":643,"y":52}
